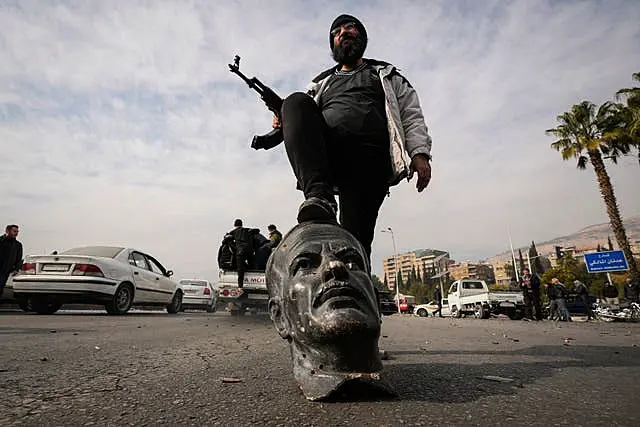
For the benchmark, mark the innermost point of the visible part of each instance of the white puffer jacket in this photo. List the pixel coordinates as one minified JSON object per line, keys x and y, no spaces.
{"x":408,"y":134}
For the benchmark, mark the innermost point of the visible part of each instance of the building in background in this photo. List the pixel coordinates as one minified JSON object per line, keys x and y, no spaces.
{"x":472,"y":270}
{"x":425,"y":263}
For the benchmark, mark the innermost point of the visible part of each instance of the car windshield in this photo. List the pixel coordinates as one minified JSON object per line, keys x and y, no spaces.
{"x":193,"y":282}
{"x":100,"y":251}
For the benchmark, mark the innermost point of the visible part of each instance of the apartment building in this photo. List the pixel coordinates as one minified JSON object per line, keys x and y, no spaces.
{"x":429,"y":262}
{"x":472,"y":270}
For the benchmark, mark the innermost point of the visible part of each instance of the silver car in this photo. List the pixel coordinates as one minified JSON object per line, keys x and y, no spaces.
{"x":115,"y":277}
{"x":198,"y":294}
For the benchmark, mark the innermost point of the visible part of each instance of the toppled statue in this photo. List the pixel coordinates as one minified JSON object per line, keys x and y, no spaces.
{"x":322,"y":300}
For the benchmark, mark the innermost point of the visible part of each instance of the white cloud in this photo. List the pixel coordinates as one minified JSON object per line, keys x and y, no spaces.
{"x":121,"y":123}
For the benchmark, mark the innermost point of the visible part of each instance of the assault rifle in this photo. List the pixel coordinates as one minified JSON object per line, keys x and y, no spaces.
{"x":273,"y":102}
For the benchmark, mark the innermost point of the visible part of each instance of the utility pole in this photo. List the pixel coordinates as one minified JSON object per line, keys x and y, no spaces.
{"x":395,"y":265}
{"x":513,"y":256}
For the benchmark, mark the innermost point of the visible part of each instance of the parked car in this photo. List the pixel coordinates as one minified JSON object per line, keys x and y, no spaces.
{"x":198,"y":294}
{"x":387,"y":303}
{"x":115,"y":277}
{"x":424,"y":310}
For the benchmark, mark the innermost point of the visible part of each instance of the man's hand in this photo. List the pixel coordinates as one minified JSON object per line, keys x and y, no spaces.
{"x":276,"y":122}
{"x":420,"y":165}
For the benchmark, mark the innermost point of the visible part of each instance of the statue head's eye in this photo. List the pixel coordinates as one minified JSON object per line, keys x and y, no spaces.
{"x":304,"y":263}
{"x":353,"y":261}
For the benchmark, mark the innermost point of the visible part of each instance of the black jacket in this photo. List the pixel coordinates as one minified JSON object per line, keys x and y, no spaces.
{"x":631,"y":292}
{"x":243,"y":238}
{"x":10,"y":255}
{"x":437,"y":295}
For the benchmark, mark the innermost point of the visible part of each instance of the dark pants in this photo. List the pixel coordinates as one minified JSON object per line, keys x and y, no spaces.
{"x":241,"y":266}
{"x":537,"y":304}
{"x":587,"y":307}
{"x":528,"y":305}
{"x":439,"y":310}
{"x":320,"y":164}
{"x":3,"y":281}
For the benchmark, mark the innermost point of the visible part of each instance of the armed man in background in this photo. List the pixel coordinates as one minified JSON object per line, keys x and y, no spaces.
{"x":359,"y":129}
{"x":243,"y":239}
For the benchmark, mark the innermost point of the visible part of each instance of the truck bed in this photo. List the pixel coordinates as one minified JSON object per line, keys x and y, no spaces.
{"x":506,"y":296}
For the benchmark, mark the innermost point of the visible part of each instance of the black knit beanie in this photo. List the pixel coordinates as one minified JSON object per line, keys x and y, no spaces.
{"x":344,"y":19}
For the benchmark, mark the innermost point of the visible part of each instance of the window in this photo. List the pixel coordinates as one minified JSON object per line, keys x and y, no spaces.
{"x":99,"y":251}
{"x":155,"y":267}
{"x":454,"y":288}
{"x":193,"y":282}
{"x":138,"y":260}
{"x":471,"y":285}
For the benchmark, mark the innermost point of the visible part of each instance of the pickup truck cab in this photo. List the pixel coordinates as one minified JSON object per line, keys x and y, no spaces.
{"x":473,"y":297}
{"x":253,"y":295}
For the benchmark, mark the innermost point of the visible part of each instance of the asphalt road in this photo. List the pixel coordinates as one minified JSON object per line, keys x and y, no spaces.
{"x":90,"y":369}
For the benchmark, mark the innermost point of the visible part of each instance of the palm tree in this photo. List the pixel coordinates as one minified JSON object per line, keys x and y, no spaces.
{"x":632,"y":112}
{"x":588,"y":133}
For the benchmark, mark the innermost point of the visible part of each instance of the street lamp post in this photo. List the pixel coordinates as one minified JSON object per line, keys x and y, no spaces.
{"x":395,"y":264}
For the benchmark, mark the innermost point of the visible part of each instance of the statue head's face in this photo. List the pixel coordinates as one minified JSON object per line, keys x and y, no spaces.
{"x":320,"y":287}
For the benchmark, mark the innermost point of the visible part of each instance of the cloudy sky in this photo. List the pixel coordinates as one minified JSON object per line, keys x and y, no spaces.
{"x":121,"y":124}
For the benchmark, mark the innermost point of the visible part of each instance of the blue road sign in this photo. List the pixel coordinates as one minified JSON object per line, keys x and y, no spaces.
{"x":602,"y":262}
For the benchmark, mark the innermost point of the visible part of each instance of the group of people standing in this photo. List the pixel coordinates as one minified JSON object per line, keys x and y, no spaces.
{"x":556,"y":293}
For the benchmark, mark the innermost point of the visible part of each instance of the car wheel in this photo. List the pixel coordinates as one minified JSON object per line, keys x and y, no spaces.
{"x":481,"y":312}
{"x":25,"y":304}
{"x":422,"y":312}
{"x":176,"y":303}
{"x":45,"y":305}
{"x":121,"y":301}
{"x":455,"y":312}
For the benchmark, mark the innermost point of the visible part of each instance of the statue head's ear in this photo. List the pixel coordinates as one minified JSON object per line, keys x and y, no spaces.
{"x":277,"y":315}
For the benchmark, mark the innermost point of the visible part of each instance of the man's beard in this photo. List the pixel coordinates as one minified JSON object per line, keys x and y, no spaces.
{"x":349,"y":50}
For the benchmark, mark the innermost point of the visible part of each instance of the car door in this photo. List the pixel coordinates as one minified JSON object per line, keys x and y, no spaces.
{"x":164,"y":286}
{"x":143,"y":278}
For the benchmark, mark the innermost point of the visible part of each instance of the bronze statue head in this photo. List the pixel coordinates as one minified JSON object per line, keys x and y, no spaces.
{"x":322,"y":300}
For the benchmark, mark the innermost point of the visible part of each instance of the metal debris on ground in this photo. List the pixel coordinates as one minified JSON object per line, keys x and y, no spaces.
{"x":497,"y":379}
{"x":231,"y":380}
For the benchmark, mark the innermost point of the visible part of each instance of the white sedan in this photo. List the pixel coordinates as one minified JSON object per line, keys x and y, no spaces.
{"x":115,"y":277}
{"x":424,"y":310}
{"x":199,"y":294}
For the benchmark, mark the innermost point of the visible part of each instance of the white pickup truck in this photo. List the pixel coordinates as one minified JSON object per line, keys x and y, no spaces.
{"x":253,"y":294}
{"x":473,"y":296}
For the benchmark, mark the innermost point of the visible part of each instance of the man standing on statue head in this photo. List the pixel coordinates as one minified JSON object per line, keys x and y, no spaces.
{"x":358,"y":130}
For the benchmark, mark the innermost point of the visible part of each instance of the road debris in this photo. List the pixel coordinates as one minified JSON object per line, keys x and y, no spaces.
{"x":228,"y":380}
{"x":497,"y":379}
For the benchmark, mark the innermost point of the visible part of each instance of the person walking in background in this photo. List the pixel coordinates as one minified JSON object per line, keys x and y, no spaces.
{"x":631,"y":291}
{"x":437,"y":295}
{"x":553,"y":305}
{"x":10,"y":254}
{"x":530,"y":284}
{"x":583,"y":293}
{"x":561,"y":295}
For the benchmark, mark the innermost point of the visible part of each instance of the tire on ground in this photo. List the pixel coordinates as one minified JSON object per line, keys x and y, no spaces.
{"x":176,"y":303}
{"x":121,"y":300}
